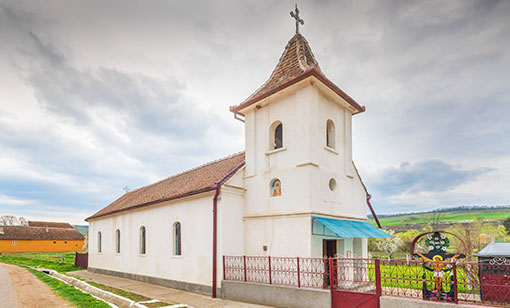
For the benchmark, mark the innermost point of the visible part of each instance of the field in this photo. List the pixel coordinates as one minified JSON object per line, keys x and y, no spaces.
{"x":443,"y":217}
{"x":61,"y":262}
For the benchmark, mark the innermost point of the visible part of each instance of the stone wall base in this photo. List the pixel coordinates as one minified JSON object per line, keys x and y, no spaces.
{"x":277,"y":296}
{"x":175,"y":284}
{"x":402,"y":302}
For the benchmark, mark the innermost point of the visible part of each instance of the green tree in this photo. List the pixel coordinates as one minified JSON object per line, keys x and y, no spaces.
{"x":506,"y":224}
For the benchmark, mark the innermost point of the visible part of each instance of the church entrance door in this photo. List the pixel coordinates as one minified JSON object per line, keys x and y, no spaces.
{"x":328,"y":251}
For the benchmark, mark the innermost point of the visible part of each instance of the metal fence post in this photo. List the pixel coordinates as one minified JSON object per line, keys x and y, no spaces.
{"x":244,"y":267}
{"x":331,"y":281}
{"x":455,"y":286}
{"x":331,"y":276}
{"x":269,"y":263}
{"x":298,"y":274}
{"x":378,"y":288}
{"x":224,"y":268}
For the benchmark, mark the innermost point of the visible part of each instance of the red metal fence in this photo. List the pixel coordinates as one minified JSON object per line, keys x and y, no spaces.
{"x":297,"y":272}
{"x":461,"y":282}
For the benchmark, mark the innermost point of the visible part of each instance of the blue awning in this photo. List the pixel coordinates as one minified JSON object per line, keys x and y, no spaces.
{"x":350,"y":228}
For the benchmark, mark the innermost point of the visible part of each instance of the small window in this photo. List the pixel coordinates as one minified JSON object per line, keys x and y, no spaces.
{"x":177,"y":239}
{"x":332,"y":184}
{"x":330,"y":134}
{"x":276,"y":188}
{"x":99,"y":242}
{"x":117,"y":241}
{"x":143,"y":241}
{"x":276,"y":135}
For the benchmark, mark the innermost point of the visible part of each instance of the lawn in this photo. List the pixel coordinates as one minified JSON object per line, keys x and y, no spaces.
{"x":70,"y":293}
{"x":18,"y":259}
{"x":410,"y":277}
{"x":132,"y":296}
{"x":57,"y":257}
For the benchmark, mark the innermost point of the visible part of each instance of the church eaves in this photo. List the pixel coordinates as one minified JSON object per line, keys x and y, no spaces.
{"x":296,"y":63}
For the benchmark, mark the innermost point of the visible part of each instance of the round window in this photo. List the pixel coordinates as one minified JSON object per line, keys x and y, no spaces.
{"x":332,"y":184}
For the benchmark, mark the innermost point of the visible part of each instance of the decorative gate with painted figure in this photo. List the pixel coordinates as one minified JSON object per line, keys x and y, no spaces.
{"x":356,"y":283}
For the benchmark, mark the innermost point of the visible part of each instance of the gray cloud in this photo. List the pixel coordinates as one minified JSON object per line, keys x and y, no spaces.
{"x":126,"y":93}
{"x":425,"y":176}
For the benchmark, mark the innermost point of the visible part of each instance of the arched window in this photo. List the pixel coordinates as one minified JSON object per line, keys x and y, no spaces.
{"x":117,"y":241}
{"x":276,"y":135}
{"x":330,"y":134}
{"x":177,"y":239}
{"x":99,"y":242}
{"x":143,"y":241}
{"x":276,"y":188}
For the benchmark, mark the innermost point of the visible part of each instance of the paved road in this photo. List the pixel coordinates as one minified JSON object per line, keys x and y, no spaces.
{"x":6,"y":290}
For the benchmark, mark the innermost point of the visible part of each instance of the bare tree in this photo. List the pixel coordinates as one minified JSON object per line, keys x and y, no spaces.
{"x":9,"y":220}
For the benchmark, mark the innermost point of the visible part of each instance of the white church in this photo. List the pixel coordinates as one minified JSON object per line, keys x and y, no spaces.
{"x":294,"y":191}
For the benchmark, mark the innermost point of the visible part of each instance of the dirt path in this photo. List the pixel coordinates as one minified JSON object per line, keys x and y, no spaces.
{"x":8,"y":299}
{"x":31,"y":292}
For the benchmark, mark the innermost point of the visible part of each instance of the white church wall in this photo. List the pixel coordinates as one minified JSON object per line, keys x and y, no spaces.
{"x":304,"y":166}
{"x":230,"y":220}
{"x":348,"y":198}
{"x":263,"y":165}
{"x":283,"y":236}
{"x":194,"y":265}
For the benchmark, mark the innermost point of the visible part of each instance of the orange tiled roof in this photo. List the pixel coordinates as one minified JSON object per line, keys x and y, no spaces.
{"x":194,"y":181}
{"x":296,"y":63}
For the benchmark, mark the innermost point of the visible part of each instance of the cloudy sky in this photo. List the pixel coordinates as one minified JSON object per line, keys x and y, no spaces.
{"x":96,"y":95}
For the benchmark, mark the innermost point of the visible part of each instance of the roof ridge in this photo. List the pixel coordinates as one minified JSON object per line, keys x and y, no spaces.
{"x":186,"y":171}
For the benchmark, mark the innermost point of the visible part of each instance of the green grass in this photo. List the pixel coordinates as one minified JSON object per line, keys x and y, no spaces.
{"x":500,"y":214}
{"x":70,"y":293}
{"x":18,"y":260}
{"x":410,"y":277}
{"x":132,"y":296}
{"x":57,"y":257}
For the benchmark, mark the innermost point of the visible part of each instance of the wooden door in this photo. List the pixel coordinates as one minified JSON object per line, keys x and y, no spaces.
{"x":328,"y":251}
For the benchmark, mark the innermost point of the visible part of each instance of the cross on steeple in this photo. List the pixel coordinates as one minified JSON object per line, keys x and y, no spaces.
{"x":296,"y":17}
{"x":126,"y":188}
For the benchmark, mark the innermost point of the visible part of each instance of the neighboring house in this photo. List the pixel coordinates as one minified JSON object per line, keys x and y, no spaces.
{"x":294,"y":192}
{"x":40,"y":236}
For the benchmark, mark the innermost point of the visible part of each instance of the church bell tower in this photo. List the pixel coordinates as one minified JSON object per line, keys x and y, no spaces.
{"x":298,"y":155}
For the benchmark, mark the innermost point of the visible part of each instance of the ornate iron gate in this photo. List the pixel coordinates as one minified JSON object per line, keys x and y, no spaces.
{"x":356,"y":283}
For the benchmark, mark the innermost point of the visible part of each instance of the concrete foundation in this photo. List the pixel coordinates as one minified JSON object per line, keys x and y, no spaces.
{"x":401,"y":302}
{"x":181,"y":285}
{"x":276,"y":296}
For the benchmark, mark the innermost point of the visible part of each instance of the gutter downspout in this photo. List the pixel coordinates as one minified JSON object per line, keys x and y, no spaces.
{"x":215,"y":228}
{"x":373,"y":212}
{"x":217,"y":187}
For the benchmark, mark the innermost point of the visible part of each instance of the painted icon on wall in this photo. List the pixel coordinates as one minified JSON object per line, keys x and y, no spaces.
{"x":276,"y":188}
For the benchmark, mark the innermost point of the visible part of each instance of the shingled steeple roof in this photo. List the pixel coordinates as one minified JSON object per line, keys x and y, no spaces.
{"x":295,"y":60}
{"x":296,"y":63}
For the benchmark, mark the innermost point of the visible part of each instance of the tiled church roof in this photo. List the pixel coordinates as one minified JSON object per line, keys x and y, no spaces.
{"x":296,"y":63}
{"x":194,"y":181}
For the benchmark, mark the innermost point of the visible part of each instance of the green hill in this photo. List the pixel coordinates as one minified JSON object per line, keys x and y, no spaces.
{"x":83,"y":229}
{"x":443,"y":217}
